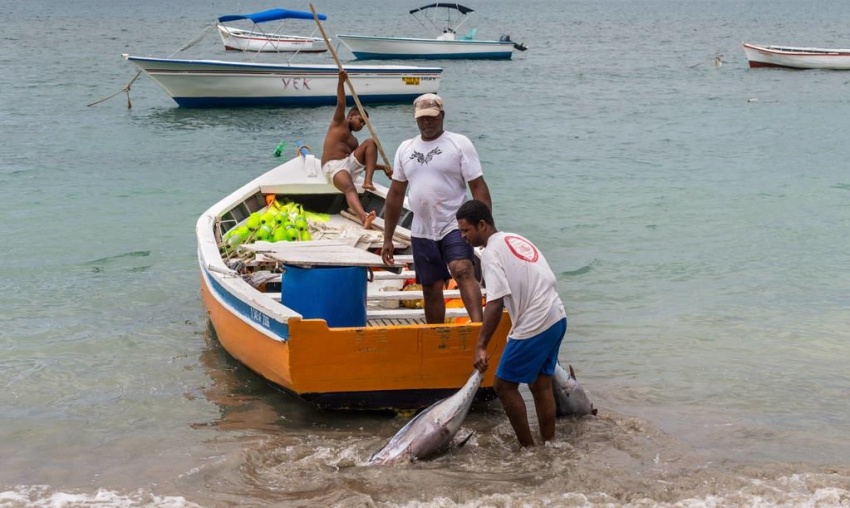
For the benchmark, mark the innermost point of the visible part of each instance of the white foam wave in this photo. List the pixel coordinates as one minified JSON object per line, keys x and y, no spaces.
{"x":42,"y":496}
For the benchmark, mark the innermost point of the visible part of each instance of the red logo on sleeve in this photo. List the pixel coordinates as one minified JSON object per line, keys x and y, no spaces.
{"x":522,"y":248}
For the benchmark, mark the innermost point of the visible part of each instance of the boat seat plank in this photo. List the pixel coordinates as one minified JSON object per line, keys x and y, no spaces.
{"x":378,"y":223}
{"x":396,"y":322}
{"x":395,"y":317}
{"x":384,"y":275}
{"x":405,"y":313}
{"x":411,"y":295}
{"x":401,"y":259}
{"x":380,"y":275}
{"x":390,"y":295}
{"x":401,"y":232}
{"x":316,"y":253}
{"x":346,"y":226}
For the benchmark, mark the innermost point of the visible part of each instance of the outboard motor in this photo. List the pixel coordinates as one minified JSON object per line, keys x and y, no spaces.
{"x":507,"y":38}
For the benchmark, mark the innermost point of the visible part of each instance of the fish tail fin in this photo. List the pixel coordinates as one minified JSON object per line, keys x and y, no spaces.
{"x":462,"y":441}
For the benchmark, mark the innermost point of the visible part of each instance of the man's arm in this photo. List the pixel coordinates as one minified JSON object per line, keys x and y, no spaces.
{"x":492,"y":317}
{"x":392,"y":212}
{"x":339,"y":113}
{"x":480,"y":191}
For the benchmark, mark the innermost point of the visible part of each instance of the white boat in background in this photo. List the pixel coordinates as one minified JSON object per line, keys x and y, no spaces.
{"x":793,"y":57}
{"x":245,"y":40}
{"x":217,"y":83}
{"x":258,"y":40}
{"x":447,"y":44}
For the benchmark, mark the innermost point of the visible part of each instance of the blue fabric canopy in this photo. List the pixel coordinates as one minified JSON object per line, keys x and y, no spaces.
{"x":462,"y":9}
{"x":271,"y":15}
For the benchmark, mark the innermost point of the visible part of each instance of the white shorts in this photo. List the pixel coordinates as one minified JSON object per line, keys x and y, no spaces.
{"x":350,"y":164}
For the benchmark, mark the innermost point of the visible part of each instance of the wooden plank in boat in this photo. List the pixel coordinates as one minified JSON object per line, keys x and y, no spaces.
{"x":316,"y":253}
{"x":404,"y":274}
{"x":396,"y":317}
{"x":401,"y":259}
{"x":412,"y":295}
{"x":378,"y":223}
{"x":396,"y":322}
{"x":405,"y":313}
{"x":404,"y":233}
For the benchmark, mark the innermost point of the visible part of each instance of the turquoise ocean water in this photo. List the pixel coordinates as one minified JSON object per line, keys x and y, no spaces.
{"x":694,"y":210}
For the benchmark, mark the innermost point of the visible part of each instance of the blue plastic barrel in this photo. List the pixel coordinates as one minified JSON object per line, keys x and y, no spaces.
{"x":336,"y":294}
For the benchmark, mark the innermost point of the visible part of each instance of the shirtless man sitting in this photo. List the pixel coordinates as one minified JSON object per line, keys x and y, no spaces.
{"x":344,"y":158}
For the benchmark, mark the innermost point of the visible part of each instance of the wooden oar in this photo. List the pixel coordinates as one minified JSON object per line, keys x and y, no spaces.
{"x":353,"y":92}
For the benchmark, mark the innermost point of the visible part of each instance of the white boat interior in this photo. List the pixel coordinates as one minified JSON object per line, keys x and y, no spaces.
{"x":340,"y":241}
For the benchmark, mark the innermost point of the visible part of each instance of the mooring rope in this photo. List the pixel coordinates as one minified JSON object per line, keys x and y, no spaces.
{"x":126,"y":88}
{"x":196,"y":40}
{"x":717,"y":59}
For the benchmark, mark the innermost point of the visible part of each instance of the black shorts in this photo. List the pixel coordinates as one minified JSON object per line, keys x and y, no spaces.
{"x":431,"y":258}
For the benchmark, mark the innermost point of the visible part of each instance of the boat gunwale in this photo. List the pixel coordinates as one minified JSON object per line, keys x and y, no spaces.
{"x":797,"y":50}
{"x":322,"y":68}
{"x":438,"y":42}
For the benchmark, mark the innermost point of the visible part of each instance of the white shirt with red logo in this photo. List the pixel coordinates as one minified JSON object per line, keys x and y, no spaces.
{"x":437,"y":172}
{"x":515,"y":270}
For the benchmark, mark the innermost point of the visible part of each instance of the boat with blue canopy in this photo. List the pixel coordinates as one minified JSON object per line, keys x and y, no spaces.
{"x":256,"y":38}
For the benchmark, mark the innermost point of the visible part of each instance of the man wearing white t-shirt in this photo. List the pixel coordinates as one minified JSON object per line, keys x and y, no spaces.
{"x":518,"y":278}
{"x":438,"y":166}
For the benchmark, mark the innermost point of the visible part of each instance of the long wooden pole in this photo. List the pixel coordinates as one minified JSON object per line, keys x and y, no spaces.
{"x":353,"y":93}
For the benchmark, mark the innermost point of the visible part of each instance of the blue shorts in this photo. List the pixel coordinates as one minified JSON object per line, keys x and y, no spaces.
{"x":523,"y":360}
{"x":432,"y":257}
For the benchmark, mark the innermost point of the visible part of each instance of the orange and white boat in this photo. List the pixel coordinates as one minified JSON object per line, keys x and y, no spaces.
{"x":320,"y":316}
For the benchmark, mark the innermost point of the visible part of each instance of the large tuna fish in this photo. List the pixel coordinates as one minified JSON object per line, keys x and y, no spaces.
{"x":431,"y":432}
{"x":570,"y":397}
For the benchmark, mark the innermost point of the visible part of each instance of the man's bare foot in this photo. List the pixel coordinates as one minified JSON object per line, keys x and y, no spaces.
{"x":368,"y":185}
{"x":367,"y":221}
